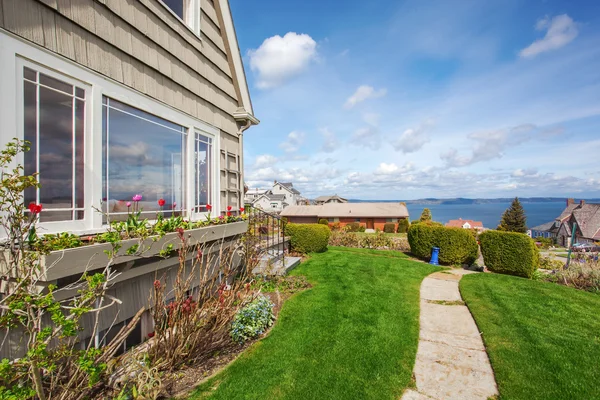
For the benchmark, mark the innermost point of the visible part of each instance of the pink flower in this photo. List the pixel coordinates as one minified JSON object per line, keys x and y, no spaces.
{"x":174,"y":205}
{"x":161,"y":202}
{"x":221,"y":217}
{"x":128,"y":204}
{"x":137,"y":198}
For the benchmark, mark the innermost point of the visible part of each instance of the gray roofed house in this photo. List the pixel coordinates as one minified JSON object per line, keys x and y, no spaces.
{"x":330,"y":199}
{"x":587,"y":218}
{"x":349,"y":210}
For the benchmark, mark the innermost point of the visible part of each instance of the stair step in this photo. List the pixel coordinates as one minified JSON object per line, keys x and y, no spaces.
{"x":277,"y":267}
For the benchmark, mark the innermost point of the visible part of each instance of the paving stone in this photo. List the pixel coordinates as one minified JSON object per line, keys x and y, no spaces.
{"x":435,"y":289}
{"x":449,"y":382}
{"x":451,"y":359}
{"x":410,"y":394}
{"x":456,"y":320}
{"x":444,"y":276}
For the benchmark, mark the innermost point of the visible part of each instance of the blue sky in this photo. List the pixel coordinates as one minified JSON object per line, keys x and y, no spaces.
{"x":412,"y":99}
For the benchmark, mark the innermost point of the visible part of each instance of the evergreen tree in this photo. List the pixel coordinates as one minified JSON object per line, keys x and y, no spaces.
{"x":514,"y":219}
{"x":425,"y":215}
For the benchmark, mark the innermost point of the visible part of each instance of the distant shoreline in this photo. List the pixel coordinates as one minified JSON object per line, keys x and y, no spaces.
{"x":459,"y":200}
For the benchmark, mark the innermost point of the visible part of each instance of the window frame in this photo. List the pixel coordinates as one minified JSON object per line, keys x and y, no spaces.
{"x":15,"y":52}
{"x":193,"y":20}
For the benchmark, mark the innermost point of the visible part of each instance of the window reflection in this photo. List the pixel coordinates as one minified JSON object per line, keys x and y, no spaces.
{"x":54,"y":124}
{"x":203,"y":157}
{"x":144,"y":155}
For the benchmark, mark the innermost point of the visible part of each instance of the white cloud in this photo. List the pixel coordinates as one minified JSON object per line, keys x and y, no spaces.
{"x":280,"y":58}
{"x":363,"y":93}
{"x":386,"y":169}
{"x":367,"y":137}
{"x":413,"y":140}
{"x":372,"y":118}
{"x":265,"y":160}
{"x":560,"y":31}
{"x":330,"y":143}
{"x":293,"y":142}
{"x":524,"y":172}
{"x":489,"y":145}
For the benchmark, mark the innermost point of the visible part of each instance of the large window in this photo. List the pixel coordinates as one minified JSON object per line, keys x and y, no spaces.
{"x":143,"y":155}
{"x":203,"y":173}
{"x":54,"y":124}
{"x":188,"y":11}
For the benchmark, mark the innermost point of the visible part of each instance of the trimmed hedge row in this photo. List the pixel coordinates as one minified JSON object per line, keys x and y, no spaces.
{"x":509,"y":253}
{"x":389,"y":228}
{"x":308,"y":238}
{"x":457,"y":245}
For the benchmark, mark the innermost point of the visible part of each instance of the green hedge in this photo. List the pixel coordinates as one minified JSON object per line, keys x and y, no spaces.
{"x":353,"y":227}
{"x":323,"y":221}
{"x":403,"y":225}
{"x":457,"y":245}
{"x":308,"y":238}
{"x":389,"y":228}
{"x":509,"y":253}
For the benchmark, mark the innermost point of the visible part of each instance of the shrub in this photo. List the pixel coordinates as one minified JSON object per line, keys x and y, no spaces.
{"x":377,"y":241}
{"x":551,"y":263}
{"x":362,"y":228}
{"x":353,"y":227}
{"x":457,"y":246}
{"x":403,"y":225}
{"x":323,"y":221}
{"x":252,"y":320}
{"x":389,"y":228}
{"x":543,"y":242}
{"x":308,"y":238}
{"x":345,"y":239}
{"x":509,"y":253}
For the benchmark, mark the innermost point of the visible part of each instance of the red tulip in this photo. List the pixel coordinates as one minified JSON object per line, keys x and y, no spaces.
{"x":208,"y":207}
{"x":228,"y":208}
{"x":229,"y":213}
{"x":161,"y":202}
{"x":35,"y":208}
{"x":242,"y":209}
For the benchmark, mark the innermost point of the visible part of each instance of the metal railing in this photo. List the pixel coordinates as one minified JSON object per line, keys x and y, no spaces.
{"x":268,"y":232}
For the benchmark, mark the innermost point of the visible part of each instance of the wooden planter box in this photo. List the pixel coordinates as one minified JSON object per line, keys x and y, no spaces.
{"x":62,"y":263}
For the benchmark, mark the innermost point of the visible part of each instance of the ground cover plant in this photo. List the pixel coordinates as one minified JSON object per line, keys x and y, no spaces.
{"x":542,"y":339}
{"x":353,"y":335}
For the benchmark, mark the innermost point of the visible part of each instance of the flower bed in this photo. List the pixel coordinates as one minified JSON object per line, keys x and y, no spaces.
{"x":59,"y":263}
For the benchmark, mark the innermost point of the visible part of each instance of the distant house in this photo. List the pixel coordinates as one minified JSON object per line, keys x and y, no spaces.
{"x":273,"y":203}
{"x":290,"y":194}
{"x":281,"y":195}
{"x":329,"y":199}
{"x":585,"y":215}
{"x":253,"y":194}
{"x":465,"y":224}
{"x":369,"y":215}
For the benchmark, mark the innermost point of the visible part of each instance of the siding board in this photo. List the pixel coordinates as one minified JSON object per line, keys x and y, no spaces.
{"x":49,"y":29}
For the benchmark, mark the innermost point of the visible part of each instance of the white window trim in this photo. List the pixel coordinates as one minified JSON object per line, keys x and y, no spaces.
{"x":14,"y":51}
{"x":192,"y":21}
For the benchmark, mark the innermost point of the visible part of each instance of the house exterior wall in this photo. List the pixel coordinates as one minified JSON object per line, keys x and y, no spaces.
{"x":268,"y":205}
{"x":378,"y":223}
{"x":145,"y":54}
{"x":141,"y":45}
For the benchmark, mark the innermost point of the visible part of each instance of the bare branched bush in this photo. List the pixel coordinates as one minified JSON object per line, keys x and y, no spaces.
{"x":583,"y":273}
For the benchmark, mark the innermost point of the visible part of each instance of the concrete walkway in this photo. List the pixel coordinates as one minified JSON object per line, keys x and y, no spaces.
{"x":451,"y":359}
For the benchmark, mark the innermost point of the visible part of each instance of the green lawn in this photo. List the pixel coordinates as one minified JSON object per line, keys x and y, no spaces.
{"x":353,"y":335}
{"x":543,"y":339}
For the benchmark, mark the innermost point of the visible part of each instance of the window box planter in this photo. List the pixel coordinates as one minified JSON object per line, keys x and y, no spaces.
{"x":61,"y":263}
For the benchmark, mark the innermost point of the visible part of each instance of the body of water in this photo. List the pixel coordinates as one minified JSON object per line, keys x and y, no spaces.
{"x":488,"y":213}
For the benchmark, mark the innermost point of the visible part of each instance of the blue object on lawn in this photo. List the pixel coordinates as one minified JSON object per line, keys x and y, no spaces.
{"x":434,"y":256}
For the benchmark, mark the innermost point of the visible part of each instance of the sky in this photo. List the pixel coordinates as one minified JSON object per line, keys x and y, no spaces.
{"x":385,"y":100}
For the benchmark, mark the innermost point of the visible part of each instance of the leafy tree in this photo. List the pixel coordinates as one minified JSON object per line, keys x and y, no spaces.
{"x":514,"y":219}
{"x":425,"y":215}
{"x":403,"y":225}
